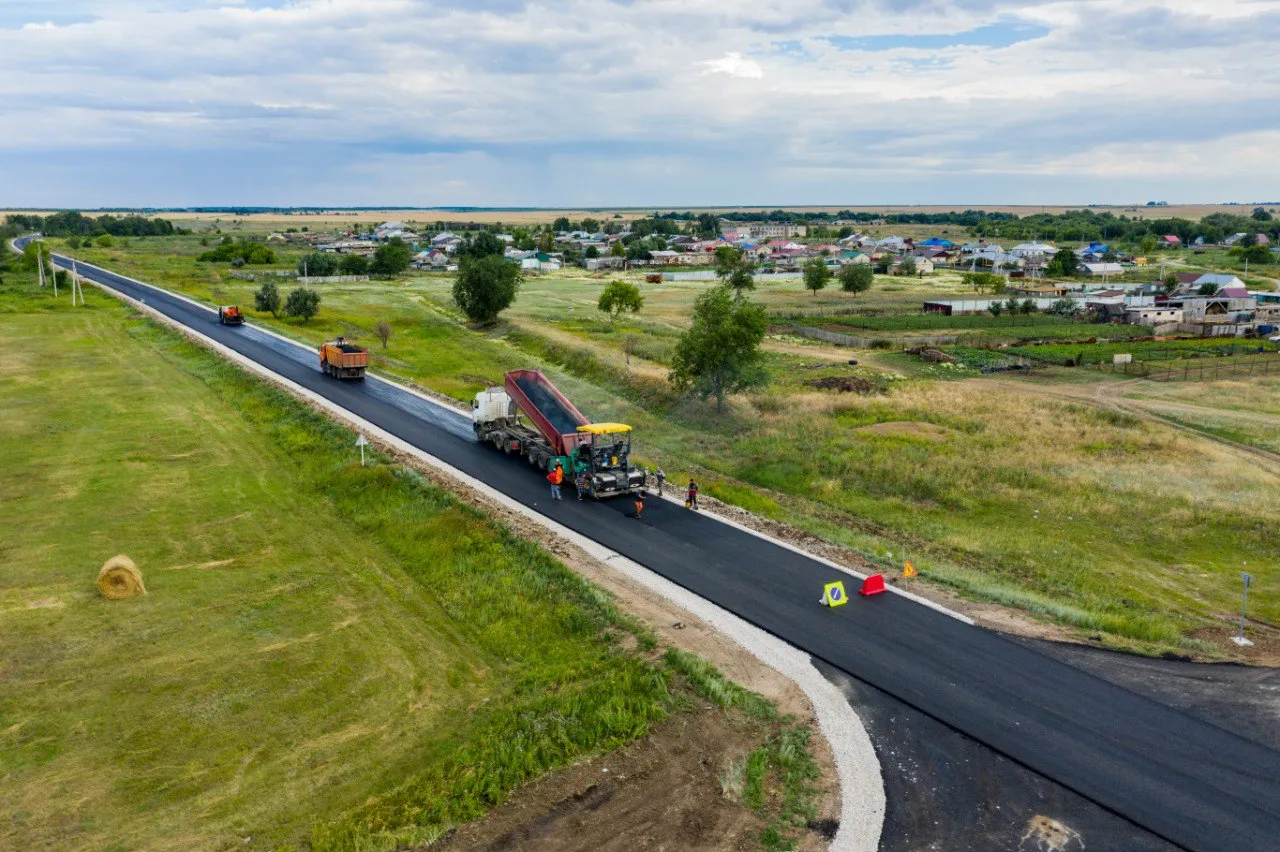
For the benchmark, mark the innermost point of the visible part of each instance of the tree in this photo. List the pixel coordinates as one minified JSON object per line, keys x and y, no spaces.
{"x":591,"y":226}
{"x":1028,"y":307}
{"x":618,"y":250}
{"x":591,"y":252}
{"x":734,"y":268}
{"x":486,"y":286}
{"x":391,"y":258}
{"x":1012,"y":306}
{"x":561,"y":224}
{"x":855,"y":277}
{"x":1065,"y":307}
{"x":816,"y":275}
{"x":303,"y":303}
{"x":1208,"y":289}
{"x":353,"y":264}
{"x":73,"y":242}
{"x":908,"y":266}
{"x":981,"y":282}
{"x":481,"y":244}
{"x":996,"y":308}
{"x":382,"y":330}
{"x":1063,"y":264}
{"x":1148,"y":244}
{"x":268,"y":298}
{"x":1260,"y":214}
{"x":619,"y":296}
{"x":105,"y":241}
{"x":318,"y":264}
{"x":720,"y":353}
{"x":1170,"y":282}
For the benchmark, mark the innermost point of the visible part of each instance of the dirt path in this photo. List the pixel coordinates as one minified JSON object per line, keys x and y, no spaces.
{"x":1112,"y":396}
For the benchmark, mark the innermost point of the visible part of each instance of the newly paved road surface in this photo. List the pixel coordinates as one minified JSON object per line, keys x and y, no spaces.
{"x":1187,"y":781}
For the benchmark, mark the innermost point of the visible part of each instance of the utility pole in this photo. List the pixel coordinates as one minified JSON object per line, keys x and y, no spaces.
{"x":1244,"y":603}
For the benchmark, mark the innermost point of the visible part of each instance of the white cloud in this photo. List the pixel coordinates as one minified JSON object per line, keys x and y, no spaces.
{"x":735,"y":65}
{"x":514,"y":102}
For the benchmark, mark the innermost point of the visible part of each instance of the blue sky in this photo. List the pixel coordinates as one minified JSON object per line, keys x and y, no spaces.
{"x":656,"y":103}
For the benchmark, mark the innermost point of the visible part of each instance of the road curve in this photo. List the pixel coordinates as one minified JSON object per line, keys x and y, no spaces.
{"x":1189,"y":782}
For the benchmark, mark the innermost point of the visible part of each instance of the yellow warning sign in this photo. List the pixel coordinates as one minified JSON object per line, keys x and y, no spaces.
{"x":833,"y":594}
{"x":909,"y":570}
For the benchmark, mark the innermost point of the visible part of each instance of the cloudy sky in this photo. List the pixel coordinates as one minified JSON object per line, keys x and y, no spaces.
{"x":637,"y":102}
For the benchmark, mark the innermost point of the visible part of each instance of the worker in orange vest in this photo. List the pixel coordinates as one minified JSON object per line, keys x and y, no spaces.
{"x":556,"y":477}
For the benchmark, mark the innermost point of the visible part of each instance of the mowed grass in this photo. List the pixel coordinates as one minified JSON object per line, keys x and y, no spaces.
{"x":1113,"y":526}
{"x":329,"y":656}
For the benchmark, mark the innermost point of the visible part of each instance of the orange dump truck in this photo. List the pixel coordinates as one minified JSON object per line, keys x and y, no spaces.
{"x":343,"y":360}
{"x":230,"y":315}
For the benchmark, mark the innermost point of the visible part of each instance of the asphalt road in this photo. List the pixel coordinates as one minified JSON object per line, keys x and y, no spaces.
{"x":1188,"y":782}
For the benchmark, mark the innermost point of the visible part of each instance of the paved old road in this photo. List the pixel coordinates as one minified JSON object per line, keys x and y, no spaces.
{"x":1187,"y":781}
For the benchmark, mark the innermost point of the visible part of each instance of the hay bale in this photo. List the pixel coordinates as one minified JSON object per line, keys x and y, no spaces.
{"x":120,"y":579}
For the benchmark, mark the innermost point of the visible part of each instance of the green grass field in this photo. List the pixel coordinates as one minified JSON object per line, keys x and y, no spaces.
{"x":1141,"y":350}
{"x":329,"y":656}
{"x":1100,"y":522}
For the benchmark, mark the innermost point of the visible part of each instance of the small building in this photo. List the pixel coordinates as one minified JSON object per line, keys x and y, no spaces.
{"x":1171,"y":241}
{"x":1040,"y":291}
{"x":923,"y":266}
{"x":1100,"y":269}
{"x":1152,"y":315}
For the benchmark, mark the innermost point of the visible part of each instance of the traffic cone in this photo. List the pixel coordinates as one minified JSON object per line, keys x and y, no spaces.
{"x":873,"y":585}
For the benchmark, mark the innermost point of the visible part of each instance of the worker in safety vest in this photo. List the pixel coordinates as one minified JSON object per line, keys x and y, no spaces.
{"x":639,"y":503}
{"x":556,"y":477}
{"x":692,"y":500}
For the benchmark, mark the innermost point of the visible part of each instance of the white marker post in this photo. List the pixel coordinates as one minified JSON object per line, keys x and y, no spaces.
{"x":361,"y":443}
{"x":1244,"y":603}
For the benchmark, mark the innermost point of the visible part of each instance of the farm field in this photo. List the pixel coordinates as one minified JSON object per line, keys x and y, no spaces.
{"x":1155,"y":351}
{"x":999,"y":495}
{"x":328,"y":656}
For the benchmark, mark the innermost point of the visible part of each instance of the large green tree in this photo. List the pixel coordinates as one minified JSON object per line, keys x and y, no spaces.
{"x":720,"y":352}
{"x":855,"y":277}
{"x":619,"y":296}
{"x":303,"y":303}
{"x":816,"y":275}
{"x":486,"y":286}
{"x":1063,"y":264}
{"x":481,"y":244}
{"x":391,"y":258}
{"x":268,"y":298}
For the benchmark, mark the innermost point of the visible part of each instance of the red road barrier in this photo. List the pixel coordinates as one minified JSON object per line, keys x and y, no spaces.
{"x":873,"y":585}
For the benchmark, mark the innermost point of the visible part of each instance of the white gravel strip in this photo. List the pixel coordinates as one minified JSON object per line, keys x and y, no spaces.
{"x":862,"y":799}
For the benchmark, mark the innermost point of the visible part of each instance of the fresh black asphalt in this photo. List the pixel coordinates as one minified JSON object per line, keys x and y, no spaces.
{"x":1191,"y":783}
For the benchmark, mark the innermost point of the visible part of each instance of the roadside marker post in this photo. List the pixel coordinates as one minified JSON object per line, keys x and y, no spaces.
{"x":833,"y":594}
{"x":361,"y":443}
{"x":1244,"y":604}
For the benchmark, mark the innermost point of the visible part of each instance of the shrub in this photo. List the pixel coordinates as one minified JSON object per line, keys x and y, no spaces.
{"x":303,"y":303}
{"x":268,"y":298}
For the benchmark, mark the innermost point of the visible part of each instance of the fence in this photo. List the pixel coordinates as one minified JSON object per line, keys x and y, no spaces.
{"x":332,"y":279}
{"x":1257,"y":365}
{"x":871,"y":342}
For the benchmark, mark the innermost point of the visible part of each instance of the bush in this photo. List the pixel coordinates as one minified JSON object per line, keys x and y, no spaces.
{"x":268,"y":298}
{"x":247,"y":252}
{"x":303,"y":303}
{"x":105,"y":241}
{"x":318,"y":264}
{"x":353,"y":264}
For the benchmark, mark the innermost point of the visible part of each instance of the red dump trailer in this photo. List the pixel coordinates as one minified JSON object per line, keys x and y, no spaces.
{"x":595,"y":456}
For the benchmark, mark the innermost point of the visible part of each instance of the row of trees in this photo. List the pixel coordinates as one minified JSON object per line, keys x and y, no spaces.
{"x":390,"y":258}
{"x":72,"y":224}
{"x":302,"y":302}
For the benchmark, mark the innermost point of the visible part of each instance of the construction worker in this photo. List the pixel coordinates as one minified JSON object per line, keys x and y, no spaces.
{"x":692,"y":500}
{"x":580,"y":484}
{"x":556,"y":477}
{"x":662,"y":478}
{"x":639,"y":503}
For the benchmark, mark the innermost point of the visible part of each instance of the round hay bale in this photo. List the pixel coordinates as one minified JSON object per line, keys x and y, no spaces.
{"x":120,"y":579}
